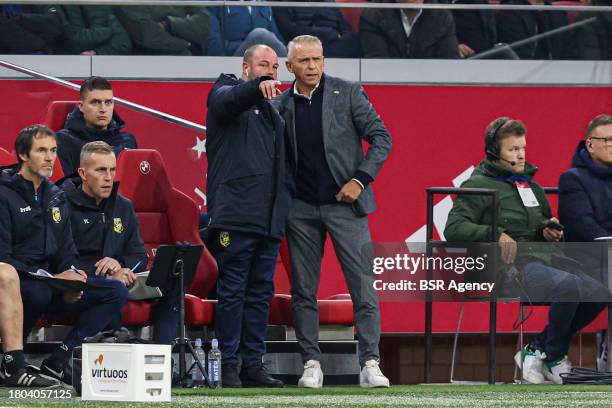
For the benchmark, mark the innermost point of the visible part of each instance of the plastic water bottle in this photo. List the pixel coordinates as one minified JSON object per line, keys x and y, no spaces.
{"x":196,"y":374}
{"x":214,"y":365}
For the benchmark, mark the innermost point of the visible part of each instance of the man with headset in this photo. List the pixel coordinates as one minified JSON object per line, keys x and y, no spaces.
{"x":524,"y":216}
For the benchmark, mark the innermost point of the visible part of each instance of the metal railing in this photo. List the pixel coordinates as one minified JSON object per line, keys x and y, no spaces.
{"x":123,"y":102}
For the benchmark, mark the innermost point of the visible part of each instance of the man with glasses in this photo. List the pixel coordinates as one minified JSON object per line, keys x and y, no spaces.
{"x":585,"y":194}
{"x":585,"y":191}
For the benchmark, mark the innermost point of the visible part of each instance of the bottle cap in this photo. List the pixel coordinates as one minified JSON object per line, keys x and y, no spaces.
{"x":198,"y":342}
{"x":215,"y":343}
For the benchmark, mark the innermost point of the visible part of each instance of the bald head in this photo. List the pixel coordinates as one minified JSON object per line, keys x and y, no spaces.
{"x":259,"y":60}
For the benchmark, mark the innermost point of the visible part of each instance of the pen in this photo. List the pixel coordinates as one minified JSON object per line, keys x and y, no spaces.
{"x":75,"y":269}
{"x":136,"y":266}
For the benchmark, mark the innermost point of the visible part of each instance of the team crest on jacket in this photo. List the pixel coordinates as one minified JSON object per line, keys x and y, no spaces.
{"x":224,"y":239}
{"x":117,"y":225}
{"x":56,"y":215}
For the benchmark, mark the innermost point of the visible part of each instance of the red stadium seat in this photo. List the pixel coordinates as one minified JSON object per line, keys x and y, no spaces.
{"x":55,"y":118}
{"x":336,"y":310}
{"x":57,"y":111}
{"x":166,"y":216}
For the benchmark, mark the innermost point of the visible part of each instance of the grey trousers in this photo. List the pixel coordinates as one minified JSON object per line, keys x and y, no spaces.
{"x":307,"y":228}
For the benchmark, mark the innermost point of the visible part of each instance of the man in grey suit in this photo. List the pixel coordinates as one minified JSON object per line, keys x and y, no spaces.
{"x":326,"y":118}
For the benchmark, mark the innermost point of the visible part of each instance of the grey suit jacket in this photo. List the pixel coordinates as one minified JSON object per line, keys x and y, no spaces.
{"x":348,"y":117}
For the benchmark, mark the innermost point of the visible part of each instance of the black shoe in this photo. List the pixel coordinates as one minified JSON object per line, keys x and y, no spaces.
{"x":26,"y":377}
{"x":229,"y":376}
{"x":64,"y":374}
{"x":257,"y":376}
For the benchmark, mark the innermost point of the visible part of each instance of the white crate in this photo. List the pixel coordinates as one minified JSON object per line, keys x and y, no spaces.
{"x":126,"y":372}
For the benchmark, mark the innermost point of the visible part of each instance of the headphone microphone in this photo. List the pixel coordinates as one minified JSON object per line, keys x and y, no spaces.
{"x":491,"y":145}
{"x":498,"y":157}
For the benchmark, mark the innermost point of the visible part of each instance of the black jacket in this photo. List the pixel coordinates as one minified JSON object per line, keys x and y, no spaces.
{"x":34,"y":235}
{"x":585,"y":198}
{"x":516,"y":25}
{"x":594,"y":40}
{"x":382,"y":35}
{"x":249,"y":181}
{"x":110,"y":229}
{"x":336,"y":34}
{"x":475,"y":28}
{"x":29,"y":29}
{"x":75,"y":134}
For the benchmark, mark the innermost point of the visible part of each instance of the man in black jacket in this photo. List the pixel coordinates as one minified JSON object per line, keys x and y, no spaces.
{"x":408,"y":33}
{"x":94,"y":119}
{"x":106,"y":232}
{"x":249,"y":199}
{"x":519,"y":25}
{"x":35,"y":234}
{"x":327,"y":23}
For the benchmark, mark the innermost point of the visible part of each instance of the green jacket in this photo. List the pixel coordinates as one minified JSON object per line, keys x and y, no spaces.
{"x":471,"y":216}
{"x":166,"y":29}
{"x":94,"y":28}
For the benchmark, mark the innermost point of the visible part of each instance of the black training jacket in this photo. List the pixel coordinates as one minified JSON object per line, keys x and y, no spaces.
{"x":34,"y":235}
{"x":109,"y":230}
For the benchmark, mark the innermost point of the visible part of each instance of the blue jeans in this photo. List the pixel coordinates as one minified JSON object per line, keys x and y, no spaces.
{"x":96,"y":310}
{"x":568,"y":317}
{"x":246,"y":283}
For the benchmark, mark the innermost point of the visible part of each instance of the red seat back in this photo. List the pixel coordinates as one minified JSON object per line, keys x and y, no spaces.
{"x":166,"y":215}
{"x":57,"y":111}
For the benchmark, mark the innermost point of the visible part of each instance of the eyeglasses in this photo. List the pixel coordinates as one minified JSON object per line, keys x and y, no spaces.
{"x":607,"y":140}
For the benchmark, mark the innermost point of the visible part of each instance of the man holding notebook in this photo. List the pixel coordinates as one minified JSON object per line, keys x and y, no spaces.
{"x":106,"y":232}
{"x":35,"y":234}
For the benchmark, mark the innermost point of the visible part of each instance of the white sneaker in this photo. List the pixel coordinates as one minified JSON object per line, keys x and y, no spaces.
{"x":552,"y":369}
{"x":371,"y":376}
{"x":312,"y":377}
{"x":534,"y":366}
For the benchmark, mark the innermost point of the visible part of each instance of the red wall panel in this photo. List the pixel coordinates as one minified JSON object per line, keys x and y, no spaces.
{"x":437,"y":132}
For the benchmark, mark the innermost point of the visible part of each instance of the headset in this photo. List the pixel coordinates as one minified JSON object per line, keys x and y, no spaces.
{"x":491,"y":143}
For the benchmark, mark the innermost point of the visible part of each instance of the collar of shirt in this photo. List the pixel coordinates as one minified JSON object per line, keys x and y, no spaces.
{"x":297,"y":93}
{"x":406,"y":22}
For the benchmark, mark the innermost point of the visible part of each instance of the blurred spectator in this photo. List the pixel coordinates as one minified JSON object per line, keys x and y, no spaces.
{"x":476,"y":31}
{"x":28,"y":29}
{"x":517,"y":25}
{"x":171,"y":30}
{"x":594,"y":40}
{"x":239,"y":27}
{"x":408,"y":33}
{"x":336,"y":34}
{"x":93,"y":30}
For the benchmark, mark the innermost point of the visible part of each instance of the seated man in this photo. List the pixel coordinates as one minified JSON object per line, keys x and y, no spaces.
{"x":106,"y":232}
{"x":236,"y":28}
{"x":585,"y":191}
{"x":93,"y":119}
{"x":524,"y":215}
{"x":14,"y":371}
{"x":93,"y":30}
{"x":408,"y":33}
{"x":514,"y":26}
{"x":336,"y":34}
{"x":166,"y":30}
{"x":35,"y":234}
